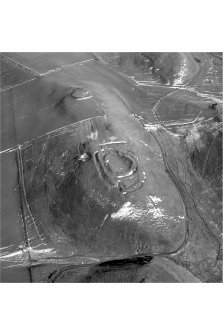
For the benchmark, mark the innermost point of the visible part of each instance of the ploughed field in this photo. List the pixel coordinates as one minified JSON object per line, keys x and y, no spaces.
{"x":111,"y":167}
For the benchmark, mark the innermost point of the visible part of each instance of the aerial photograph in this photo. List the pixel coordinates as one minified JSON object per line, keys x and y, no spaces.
{"x":111,"y":167}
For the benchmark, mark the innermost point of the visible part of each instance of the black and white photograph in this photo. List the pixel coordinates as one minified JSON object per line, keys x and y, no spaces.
{"x":111,"y":156}
{"x":111,"y":167}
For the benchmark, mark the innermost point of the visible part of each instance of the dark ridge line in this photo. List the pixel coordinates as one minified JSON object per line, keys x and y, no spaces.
{"x":138,"y":260}
{"x":135,"y":260}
